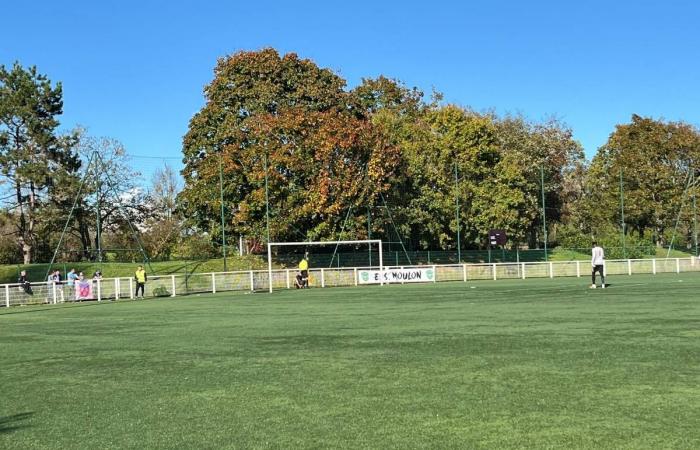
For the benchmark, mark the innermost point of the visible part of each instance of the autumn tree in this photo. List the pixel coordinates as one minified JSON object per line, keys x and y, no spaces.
{"x":320,"y":164}
{"x":245,"y":85}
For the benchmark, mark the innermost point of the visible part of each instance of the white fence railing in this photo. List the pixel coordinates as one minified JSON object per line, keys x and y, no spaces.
{"x":258,"y":280}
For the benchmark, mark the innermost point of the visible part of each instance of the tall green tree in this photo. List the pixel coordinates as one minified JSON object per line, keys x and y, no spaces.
{"x":33,"y":156}
{"x":657,"y":160}
{"x":488,"y":190}
{"x":543,"y":148}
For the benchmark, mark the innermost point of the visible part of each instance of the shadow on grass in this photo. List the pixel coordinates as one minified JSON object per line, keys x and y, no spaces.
{"x":8,"y":424}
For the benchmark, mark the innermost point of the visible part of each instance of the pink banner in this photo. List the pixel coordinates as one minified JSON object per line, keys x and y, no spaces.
{"x":83,"y":290}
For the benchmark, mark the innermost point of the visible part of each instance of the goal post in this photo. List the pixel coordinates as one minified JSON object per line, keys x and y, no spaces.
{"x":368,"y":242}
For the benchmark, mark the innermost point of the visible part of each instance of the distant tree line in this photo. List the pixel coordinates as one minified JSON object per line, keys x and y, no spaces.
{"x":378,"y":160}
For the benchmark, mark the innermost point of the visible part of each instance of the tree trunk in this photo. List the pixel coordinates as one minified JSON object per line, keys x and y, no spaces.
{"x":84,"y":236}
{"x":26,"y":252}
{"x":24,"y":228}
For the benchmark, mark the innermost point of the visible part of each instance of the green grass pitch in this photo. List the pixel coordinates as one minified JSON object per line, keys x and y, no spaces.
{"x":535,"y":363}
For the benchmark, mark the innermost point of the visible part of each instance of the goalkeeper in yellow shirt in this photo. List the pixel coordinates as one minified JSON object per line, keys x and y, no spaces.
{"x":304,"y":269}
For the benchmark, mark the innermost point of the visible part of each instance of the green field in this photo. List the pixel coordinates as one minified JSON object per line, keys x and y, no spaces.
{"x":535,"y":363}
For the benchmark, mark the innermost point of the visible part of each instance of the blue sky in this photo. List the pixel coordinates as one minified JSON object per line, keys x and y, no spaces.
{"x":135,"y":71}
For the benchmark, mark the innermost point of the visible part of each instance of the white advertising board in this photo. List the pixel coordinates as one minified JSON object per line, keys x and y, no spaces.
{"x":426,"y":275}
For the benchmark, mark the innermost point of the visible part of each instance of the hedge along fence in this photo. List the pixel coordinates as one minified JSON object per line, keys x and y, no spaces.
{"x":110,"y":289}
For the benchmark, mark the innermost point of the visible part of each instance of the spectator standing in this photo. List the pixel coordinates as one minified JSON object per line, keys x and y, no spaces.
{"x":71,"y":277}
{"x":141,"y":278}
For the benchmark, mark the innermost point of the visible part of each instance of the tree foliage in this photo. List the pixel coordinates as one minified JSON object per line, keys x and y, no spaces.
{"x":376,"y":160}
{"x":377,"y":155}
{"x":246,"y":85}
{"x":34,"y":159}
{"x":652,"y":165}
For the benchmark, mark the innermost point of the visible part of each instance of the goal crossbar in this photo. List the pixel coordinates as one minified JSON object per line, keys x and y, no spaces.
{"x":287,"y":244}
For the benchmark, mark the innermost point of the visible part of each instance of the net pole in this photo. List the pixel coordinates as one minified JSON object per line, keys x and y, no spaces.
{"x":381,"y":263}
{"x":267,"y":201}
{"x":269,"y":265}
{"x":695,"y":218}
{"x":221,"y":199}
{"x":369,"y":235}
{"x":459,"y":244}
{"x":544,"y":215}
{"x":98,"y":238}
{"x":622,"y":218}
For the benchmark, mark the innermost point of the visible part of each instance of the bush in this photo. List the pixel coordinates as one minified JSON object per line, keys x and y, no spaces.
{"x":195,"y":246}
{"x":161,"y":291}
{"x":10,"y":252}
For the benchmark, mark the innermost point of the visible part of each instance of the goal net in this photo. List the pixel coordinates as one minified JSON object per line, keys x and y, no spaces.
{"x":330,"y":263}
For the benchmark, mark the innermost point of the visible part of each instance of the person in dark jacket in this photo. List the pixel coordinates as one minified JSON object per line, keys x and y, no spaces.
{"x":24,"y":283}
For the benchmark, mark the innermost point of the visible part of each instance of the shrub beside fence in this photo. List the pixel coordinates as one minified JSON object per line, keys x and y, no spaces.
{"x":110,"y":289}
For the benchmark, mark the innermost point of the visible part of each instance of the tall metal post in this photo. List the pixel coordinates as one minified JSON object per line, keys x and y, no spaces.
{"x":269,"y":265}
{"x":98,"y":237}
{"x":267,"y":200}
{"x":544,"y":214}
{"x":695,"y":218}
{"x":622,"y":218}
{"x":459,"y":244}
{"x":369,"y":235}
{"x":221,"y":198}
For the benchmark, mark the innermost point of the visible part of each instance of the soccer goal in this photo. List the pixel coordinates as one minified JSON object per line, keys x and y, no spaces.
{"x":371,"y":247}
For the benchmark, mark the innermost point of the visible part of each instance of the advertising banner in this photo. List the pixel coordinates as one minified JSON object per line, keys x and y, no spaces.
{"x":426,"y":275}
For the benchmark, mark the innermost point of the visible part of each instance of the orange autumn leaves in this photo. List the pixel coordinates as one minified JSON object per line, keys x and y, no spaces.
{"x":318,"y":165}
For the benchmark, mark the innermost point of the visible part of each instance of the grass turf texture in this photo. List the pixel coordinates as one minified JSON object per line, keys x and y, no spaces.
{"x":535,"y":363}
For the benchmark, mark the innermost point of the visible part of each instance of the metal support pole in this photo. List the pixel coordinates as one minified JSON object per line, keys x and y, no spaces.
{"x":269,"y":267}
{"x":695,"y":218}
{"x":267,"y":200}
{"x":459,"y":244}
{"x":99,"y":226}
{"x":369,"y":235}
{"x":544,"y":214}
{"x":381,"y":265}
{"x":622,"y":218}
{"x":221,"y":199}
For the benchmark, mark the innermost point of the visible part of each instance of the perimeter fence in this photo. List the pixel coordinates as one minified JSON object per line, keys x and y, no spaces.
{"x":111,"y":289}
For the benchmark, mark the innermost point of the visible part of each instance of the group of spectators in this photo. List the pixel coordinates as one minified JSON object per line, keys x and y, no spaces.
{"x":72,"y":277}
